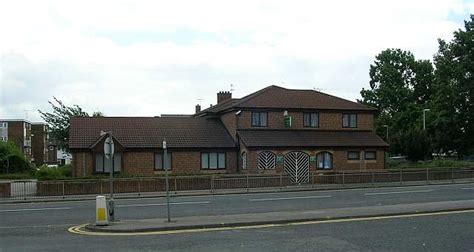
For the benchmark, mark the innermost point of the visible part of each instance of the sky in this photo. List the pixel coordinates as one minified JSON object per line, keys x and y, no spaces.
{"x":147,"y":58}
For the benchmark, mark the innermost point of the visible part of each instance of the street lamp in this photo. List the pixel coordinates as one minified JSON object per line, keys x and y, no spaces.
{"x":424,"y":118}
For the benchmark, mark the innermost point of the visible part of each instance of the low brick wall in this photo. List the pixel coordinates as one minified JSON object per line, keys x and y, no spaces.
{"x":5,"y":190}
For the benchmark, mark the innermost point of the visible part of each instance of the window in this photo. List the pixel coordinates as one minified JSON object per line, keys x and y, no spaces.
{"x":349,"y":120}
{"x":213,"y":160}
{"x":370,"y":155}
{"x":266,"y":160}
{"x":311,"y":120}
{"x":159,"y":161}
{"x":103,"y":165}
{"x":353,"y":155}
{"x":259,"y":119}
{"x":324,"y":160}
{"x":244,"y":160}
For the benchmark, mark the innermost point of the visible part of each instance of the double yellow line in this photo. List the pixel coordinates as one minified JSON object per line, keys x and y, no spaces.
{"x":80,"y":229}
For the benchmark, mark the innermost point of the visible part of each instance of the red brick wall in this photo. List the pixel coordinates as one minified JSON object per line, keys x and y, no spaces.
{"x":340,"y":161}
{"x":327,"y":120}
{"x":230,"y":123}
{"x":142,"y":162}
{"x":79,"y":161}
{"x":39,"y":144}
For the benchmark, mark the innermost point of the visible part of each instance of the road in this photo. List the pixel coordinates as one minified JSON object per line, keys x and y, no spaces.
{"x":43,"y":225}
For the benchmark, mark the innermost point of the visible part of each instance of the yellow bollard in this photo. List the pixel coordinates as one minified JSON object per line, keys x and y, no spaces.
{"x":101,"y":211}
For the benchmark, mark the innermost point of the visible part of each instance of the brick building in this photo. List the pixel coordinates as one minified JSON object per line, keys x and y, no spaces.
{"x":39,"y":143}
{"x":271,"y":131}
{"x":18,"y":132}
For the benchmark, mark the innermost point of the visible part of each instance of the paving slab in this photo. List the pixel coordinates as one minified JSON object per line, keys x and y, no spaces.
{"x":247,"y":219}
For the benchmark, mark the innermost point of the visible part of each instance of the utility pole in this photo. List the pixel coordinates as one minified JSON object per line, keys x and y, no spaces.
{"x":167,"y":179}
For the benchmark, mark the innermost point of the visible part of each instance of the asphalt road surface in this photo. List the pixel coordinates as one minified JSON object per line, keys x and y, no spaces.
{"x":43,"y":226}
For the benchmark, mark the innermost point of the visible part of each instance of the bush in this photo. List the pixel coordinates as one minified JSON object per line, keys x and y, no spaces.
{"x":12,"y":160}
{"x":47,"y":173}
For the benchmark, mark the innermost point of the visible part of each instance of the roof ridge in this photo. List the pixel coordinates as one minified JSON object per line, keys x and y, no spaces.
{"x":333,"y":96}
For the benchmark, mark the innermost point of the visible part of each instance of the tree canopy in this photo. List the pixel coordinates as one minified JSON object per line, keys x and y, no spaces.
{"x":401,"y":87}
{"x":58,"y":120}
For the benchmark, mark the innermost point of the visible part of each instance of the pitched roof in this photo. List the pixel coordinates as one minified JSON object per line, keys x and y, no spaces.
{"x":279,"y":97}
{"x":149,"y":132}
{"x":310,"y":138}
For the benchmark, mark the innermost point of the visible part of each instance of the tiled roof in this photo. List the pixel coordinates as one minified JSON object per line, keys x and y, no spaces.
{"x":310,"y":138}
{"x":149,"y":132}
{"x":278,"y":97}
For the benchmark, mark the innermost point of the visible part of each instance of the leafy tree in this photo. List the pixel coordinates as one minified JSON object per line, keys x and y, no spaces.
{"x":12,"y":160}
{"x":58,"y":120}
{"x":454,"y":85}
{"x":400,"y":87}
{"x":417,"y":144}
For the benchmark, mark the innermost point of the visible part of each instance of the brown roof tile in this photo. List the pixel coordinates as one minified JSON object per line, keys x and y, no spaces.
{"x":310,"y":138}
{"x":278,"y":97}
{"x":149,"y":132}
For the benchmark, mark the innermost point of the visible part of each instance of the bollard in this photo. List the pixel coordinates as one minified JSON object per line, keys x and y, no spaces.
{"x":101,"y":211}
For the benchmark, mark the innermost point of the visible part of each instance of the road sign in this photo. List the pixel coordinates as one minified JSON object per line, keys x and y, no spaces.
{"x":109,"y":147}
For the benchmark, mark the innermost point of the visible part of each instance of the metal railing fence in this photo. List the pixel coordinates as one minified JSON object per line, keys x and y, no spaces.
{"x":155,"y":186}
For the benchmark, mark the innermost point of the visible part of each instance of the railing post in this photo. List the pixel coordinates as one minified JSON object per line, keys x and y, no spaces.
{"x":281,"y":180}
{"x":427,"y":176}
{"x":312,"y":179}
{"x":247,"y":182}
{"x":401,"y":176}
{"x":212,"y":183}
{"x":175,"y":185}
{"x":373,"y":179}
{"x":101,"y":187}
{"x":24,"y":190}
{"x":139,"y":186}
{"x":343,"y":179}
{"x":452,"y":175}
{"x":64,"y":191}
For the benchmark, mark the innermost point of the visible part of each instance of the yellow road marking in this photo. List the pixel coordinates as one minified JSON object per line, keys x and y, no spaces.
{"x":80,"y":229}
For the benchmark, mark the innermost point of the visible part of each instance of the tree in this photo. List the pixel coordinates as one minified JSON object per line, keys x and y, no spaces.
{"x":12,"y":160}
{"x":400,"y":88}
{"x":417,"y":145}
{"x":454,"y":99}
{"x":58,"y":120}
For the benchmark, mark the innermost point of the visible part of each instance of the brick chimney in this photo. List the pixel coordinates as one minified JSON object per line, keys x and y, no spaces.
{"x":223,"y":96}
{"x":198,"y":108}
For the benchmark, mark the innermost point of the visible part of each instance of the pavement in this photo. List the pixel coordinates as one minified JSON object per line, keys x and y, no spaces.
{"x":255,"y":219}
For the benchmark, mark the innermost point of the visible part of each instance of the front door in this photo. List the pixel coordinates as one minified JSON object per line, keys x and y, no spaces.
{"x":297,"y":167}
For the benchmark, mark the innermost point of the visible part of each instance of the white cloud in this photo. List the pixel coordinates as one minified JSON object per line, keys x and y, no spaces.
{"x":153,"y":57}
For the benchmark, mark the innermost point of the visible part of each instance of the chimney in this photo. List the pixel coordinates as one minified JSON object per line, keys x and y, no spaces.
{"x":223,"y":96}
{"x":198,"y":108}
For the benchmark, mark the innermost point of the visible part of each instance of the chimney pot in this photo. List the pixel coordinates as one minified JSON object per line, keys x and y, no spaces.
{"x":198,"y":108}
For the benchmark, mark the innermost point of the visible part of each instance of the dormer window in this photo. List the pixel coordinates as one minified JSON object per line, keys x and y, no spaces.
{"x":259,"y":119}
{"x":349,"y":120}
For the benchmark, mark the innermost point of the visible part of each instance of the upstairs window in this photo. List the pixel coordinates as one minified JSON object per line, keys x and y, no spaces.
{"x":311,"y":120}
{"x":160,"y":162}
{"x":349,"y":120}
{"x":259,"y":119}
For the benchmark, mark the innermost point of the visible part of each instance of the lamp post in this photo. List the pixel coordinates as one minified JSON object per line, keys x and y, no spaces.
{"x":386,"y":132}
{"x":167,"y":179}
{"x":424,"y":118}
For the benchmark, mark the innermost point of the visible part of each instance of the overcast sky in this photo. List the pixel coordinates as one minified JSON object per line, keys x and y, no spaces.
{"x":146,"y":58}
